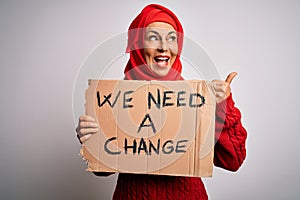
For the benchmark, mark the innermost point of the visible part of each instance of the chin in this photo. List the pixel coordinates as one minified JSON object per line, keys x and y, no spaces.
{"x":162,"y":74}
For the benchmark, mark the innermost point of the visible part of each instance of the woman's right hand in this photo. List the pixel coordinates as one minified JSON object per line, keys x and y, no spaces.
{"x":87,"y":126}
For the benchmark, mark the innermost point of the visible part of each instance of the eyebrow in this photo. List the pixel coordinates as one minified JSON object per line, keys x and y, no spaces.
{"x":152,"y":32}
{"x":171,"y":32}
{"x":158,"y":33}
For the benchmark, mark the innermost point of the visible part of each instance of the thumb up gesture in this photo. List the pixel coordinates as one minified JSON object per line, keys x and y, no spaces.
{"x":222,"y":88}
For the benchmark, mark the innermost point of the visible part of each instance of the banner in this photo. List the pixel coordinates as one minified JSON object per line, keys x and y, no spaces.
{"x":151,"y":127}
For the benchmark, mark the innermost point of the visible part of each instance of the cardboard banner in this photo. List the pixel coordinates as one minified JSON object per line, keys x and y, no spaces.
{"x":151,"y":127}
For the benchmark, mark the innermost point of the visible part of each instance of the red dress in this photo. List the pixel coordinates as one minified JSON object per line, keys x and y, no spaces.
{"x":230,"y":153}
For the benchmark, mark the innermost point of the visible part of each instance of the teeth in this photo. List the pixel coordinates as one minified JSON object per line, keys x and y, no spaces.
{"x":162,"y":59}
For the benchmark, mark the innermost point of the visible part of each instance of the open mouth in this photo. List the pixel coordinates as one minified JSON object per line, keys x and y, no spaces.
{"x":162,"y":61}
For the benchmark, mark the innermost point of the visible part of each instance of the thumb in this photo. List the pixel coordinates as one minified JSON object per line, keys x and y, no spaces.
{"x":230,"y":77}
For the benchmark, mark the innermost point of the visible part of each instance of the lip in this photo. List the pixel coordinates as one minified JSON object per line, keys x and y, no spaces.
{"x":162,"y":56}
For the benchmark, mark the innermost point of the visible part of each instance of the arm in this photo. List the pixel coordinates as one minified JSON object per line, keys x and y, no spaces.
{"x":230,"y":150}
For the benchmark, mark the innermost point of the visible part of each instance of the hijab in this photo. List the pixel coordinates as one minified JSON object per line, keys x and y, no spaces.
{"x":136,"y":68}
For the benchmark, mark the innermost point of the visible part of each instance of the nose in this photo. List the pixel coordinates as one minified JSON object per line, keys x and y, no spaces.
{"x":162,"y":46}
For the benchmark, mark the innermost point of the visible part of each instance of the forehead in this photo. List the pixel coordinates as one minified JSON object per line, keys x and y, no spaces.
{"x":160,"y":26}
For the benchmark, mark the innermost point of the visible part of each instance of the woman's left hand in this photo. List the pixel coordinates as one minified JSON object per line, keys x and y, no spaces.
{"x":222,"y":88}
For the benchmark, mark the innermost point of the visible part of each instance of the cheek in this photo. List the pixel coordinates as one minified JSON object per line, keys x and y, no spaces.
{"x":148,"y":52}
{"x":173,"y":58}
{"x":147,"y":55}
{"x":174,"y":49}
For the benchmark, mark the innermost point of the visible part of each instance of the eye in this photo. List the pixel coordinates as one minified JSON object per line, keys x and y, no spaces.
{"x":153,"y":38}
{"x":172,"y":38}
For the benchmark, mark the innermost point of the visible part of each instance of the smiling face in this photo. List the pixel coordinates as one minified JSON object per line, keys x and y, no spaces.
{"x":160,"y":47}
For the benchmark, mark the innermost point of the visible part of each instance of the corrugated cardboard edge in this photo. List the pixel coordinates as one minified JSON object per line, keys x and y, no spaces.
{"x":92,"y":162}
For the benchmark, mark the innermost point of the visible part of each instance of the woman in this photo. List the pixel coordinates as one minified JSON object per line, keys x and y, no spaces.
{"x":155,"y":40}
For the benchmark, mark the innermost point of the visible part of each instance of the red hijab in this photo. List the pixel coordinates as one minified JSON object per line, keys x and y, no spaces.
{"x":136,"y":68}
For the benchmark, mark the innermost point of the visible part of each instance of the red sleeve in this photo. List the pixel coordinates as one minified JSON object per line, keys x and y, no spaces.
{"x":230,"y":150}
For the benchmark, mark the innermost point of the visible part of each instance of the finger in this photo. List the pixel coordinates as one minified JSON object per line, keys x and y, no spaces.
{"x":84,"y":124}
{"x":230,"y":77}
{"x":217,"y":83}
{"x":85,"y":131}
{"x":220,"y":94}
{"x":220,"y":88}
{"x":85,"y":138}
{"x":86,"y":118}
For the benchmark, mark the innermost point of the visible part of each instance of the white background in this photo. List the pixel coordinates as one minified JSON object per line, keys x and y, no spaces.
{"x":43,"y":44}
